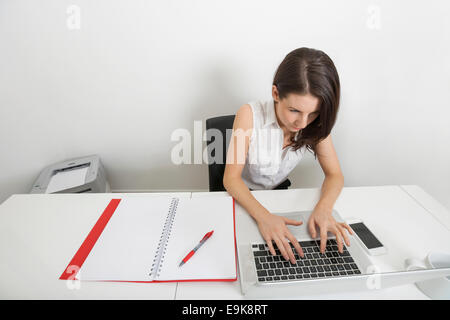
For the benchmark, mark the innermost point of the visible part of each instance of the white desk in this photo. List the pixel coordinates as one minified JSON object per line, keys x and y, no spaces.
{"x":377,"y":206}
{"x":39,"y":234}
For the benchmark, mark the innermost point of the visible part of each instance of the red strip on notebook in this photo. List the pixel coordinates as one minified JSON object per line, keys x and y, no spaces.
{"x":78,"y":259}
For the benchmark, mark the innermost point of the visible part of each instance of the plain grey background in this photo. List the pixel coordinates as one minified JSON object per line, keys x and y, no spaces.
{"x":135,"y":71}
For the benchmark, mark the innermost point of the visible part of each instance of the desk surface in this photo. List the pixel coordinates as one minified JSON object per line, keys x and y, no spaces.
{"x":40,"y":233}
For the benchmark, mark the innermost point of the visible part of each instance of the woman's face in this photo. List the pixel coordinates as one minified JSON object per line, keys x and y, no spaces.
{"x":295,"y":112}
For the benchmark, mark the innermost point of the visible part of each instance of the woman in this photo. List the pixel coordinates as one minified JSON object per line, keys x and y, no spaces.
{"x":276,"y":134}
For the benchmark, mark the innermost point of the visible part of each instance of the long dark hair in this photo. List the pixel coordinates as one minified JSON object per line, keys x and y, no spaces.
{"x":311,"y":71}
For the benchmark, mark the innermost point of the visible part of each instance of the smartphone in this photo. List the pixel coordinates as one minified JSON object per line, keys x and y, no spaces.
{"x":366,"y":238}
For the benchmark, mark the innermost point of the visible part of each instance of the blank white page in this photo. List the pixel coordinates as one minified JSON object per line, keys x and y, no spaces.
{"x":126,"y":248}
{"x":216,"y":259}
{"x":67,"y":179}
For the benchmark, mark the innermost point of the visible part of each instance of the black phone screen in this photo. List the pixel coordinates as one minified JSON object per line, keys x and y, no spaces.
{"x":366,"y":236}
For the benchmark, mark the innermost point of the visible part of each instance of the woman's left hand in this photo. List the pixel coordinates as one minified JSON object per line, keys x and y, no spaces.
{"x":325,"y":221}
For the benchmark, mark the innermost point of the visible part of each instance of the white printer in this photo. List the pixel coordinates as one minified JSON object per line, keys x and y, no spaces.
{"x":78,"y":175}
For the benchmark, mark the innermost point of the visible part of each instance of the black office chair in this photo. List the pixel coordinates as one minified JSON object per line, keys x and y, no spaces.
{"x":216,"y":170}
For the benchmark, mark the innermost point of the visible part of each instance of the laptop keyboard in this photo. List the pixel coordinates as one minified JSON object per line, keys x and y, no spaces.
{"x":314,"y":265}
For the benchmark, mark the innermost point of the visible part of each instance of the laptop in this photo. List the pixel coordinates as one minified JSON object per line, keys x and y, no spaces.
{"x":263,"y":275}
{"x":312,"y":265}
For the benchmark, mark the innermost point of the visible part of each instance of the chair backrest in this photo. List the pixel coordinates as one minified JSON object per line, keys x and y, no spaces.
{"x":217,"y":169}
{"x":216,"y":156}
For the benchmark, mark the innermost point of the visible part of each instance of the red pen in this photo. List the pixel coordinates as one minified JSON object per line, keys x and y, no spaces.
{"x":190,"y":254}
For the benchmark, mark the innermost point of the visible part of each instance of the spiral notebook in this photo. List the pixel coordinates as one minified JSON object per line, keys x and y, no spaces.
{"x":143,"y":239}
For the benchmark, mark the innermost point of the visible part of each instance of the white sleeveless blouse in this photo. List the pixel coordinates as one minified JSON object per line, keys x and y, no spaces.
{"x":267,"y":164}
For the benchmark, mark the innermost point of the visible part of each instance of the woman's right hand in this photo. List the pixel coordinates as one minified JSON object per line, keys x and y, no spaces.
{"x":273,"y":228}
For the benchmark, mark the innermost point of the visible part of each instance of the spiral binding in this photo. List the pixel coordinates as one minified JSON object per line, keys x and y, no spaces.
{"x":164,"y":239}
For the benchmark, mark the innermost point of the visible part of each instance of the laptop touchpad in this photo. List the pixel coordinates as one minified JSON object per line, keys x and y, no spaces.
{"x":300,"y":232}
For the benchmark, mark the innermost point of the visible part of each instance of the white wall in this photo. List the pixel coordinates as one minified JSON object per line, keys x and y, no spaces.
{"x":137,"y":70}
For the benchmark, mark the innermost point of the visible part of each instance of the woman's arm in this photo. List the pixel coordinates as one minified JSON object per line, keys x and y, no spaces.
{"x":331,"y":188}
{"x":236,"y":156}
{"x":272,"y":227}
{"x":334,"y":179}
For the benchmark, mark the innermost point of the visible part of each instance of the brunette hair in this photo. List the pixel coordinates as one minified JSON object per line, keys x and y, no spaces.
{"x":311,"y":71}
